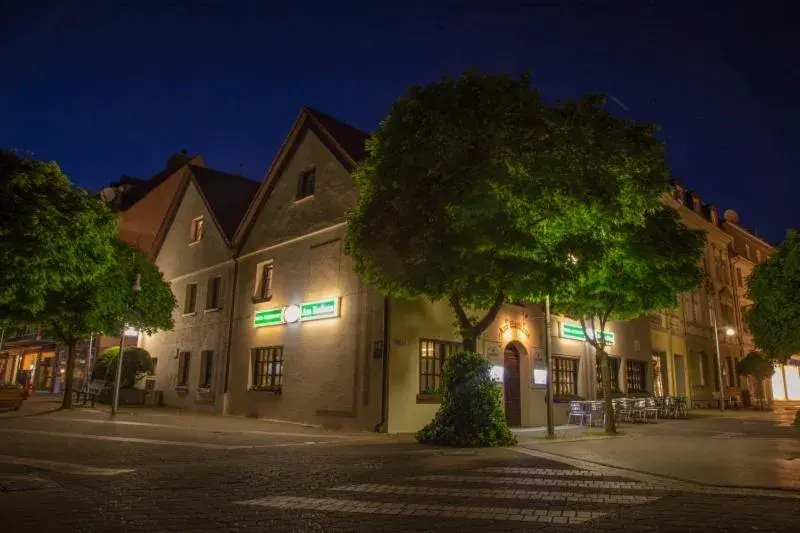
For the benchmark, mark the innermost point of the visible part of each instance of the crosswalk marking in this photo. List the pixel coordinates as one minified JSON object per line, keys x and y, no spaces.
{"x":438,"y":510}
{"x":556,"y":472}
{"x":542,"y":482}
{"x":64,"y":468}
{"x":556,"y":496}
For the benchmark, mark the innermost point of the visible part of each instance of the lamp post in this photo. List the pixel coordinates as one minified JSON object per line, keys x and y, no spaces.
{"x":137,"y":287}
{"x":728,"y":332}
{"x":551,"y":431}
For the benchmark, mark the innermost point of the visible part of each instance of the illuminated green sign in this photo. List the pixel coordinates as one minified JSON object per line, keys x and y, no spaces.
{"x":575,"y":332}
{"x":307,"y":311}
{"x":268,"y":317}
{"x":327,"y":308}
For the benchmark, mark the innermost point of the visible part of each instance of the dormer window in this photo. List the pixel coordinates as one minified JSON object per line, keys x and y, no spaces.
{"x":679,"y":194}
{"x":696,"y":203}
{"x":306,"y":184}
{"x":713,"y":214}
{"x":758,"y":256}
{"x":196,"y":230}
{"x":747,"y":251}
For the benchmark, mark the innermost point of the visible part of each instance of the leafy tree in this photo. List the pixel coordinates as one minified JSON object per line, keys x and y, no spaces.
{"x":774,"y":287}
{"x":470,"y":414}
{"x":642,"y":270}
{"x":475,"y":191}
{"x":759,"y":366}
{"x":104,"y":304}
{"x":52,"y":235}
{"x":135,"y":364}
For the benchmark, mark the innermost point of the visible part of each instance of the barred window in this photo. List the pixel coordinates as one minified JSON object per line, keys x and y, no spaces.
{"x":565,"y":376}
{"x":613,"y":367}
{"x":635,"y":371}
{"x":432,"y":355}
{"x":267,"y":367}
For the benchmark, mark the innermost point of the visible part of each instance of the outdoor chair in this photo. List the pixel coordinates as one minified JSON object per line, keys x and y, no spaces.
{"x":650,"y":409}
{"x":596,"y":411}
{"x":577,"y":411}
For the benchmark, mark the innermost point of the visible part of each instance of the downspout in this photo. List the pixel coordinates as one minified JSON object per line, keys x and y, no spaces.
{"x":382,"y":425}
{"x":228,"y":348}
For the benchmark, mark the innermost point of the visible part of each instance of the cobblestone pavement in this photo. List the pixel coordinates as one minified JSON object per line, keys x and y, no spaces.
{"x":72,"y":474}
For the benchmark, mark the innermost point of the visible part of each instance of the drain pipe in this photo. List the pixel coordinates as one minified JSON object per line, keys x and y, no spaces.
{"x":380,"y":427}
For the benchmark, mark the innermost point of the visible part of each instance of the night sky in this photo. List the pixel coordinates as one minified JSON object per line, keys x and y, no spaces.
{"x":107,"y":89}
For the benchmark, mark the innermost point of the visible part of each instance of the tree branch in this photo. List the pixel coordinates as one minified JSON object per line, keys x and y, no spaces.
{"x":459,"y":310}
{"x":591,"y":341}
{"x":492,"y":313}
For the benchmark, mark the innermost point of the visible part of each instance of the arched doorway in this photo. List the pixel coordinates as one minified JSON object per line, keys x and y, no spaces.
{"x":511,"y":385}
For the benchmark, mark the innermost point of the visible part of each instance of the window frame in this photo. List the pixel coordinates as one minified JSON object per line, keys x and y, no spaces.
{"x":431,"y":368}
{"x":615,"y":364}
{"x":184,"y":367}
{"x":636,"y":369}
{"x":266,"y":374}
{"x":261,"y":269}
{"x":187,"y":290}
{"x":206,"y":370}
{"x":563,"y":375}
{"x":196,"y":230}
{"x":214,"y":293}
{"x":307,"y":184}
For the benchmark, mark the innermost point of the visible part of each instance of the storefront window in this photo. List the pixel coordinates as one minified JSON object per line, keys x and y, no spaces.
{"x":432,"y":355}
{"x":613,"y":366}
{"x":635,"y":372}
{"x":565,"y":376}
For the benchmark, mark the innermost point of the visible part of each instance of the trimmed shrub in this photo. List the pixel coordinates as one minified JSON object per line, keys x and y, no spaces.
{"x":135,"y":365}
{"x":470,"y":414}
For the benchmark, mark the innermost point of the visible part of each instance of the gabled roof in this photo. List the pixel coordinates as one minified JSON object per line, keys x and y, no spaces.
{"x":226,"y":197}
{"x":345,"y":142}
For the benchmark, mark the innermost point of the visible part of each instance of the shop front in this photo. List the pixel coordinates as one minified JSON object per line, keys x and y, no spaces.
{"x":786,"y":381}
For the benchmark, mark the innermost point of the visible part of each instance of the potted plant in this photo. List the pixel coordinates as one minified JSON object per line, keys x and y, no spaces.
{"x":11,"y":395}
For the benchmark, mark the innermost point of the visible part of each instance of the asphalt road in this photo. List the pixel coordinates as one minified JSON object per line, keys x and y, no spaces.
{"x":76,"y":471}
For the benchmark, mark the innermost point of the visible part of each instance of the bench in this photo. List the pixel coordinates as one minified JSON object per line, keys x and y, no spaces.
{"x":91,"y":393}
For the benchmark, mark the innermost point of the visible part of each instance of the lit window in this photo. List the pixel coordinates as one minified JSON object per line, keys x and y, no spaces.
{"x":190,"y":301}
{"x":613,"y":367}
{"x":565,"y":376}
{"x":267,"y":368}
{"x":747,"y":251}
{"x":635,"y":372}
{"x":183,"y":369}
{"x":306,"y":184}
{"x":196,"y":230}
{"x":206,"y":367}
{"x":432,"y":355}
{"x":213,"y":293}
{"x":264,"y":274}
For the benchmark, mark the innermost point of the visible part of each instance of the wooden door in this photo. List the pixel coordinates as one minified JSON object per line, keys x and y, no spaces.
{"x":511,"y":386}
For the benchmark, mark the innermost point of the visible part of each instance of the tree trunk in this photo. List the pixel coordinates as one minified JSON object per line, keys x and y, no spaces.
{"x":66,"y":401}
{"x":469,"y":341}
{"x":610,"y":425}
{"x":469,"y":331}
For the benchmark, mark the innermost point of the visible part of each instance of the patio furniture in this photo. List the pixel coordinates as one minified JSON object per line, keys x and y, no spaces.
{"x":577,"y":411}
{"x":650,"y":409}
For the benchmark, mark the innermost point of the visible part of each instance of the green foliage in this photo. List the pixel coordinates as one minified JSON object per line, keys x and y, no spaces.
{"x":135,"y":365}
{"x":470,"y":414}
{"x":774,"y":287}
{"x":53,"y":235}
{"x":475,"y":190}
{"x":755,"y":364}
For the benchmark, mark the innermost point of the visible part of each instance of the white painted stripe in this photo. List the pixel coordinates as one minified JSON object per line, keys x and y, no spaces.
{"x":64,"y":468}
{"x":200,"y":428}
{"x":188,"y":444}
{"x":505,"y":494}
{"x":540,"y":482}
{"x":555,"y":472}
{"x":416,"y":509}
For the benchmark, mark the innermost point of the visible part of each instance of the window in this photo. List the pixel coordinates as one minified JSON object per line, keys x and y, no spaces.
{"x":206,"y":367}
{"x":306,"y":183}
{"x":758,"y":256}
{"x":695,"y":307}
{"x":613,"y":366}
{"x":747,"y":251}
{"x":268,"y":368}
{"x":153,"y":367}
{"x":731,"y":371}
{"x":739,"y":279}
{"x":196,"y":230}
{"x":635,"y":372}
{"x":183,"y":369}
{"x":190,"y":302}
{"x":432,"y":355}
{"x":264,"y":281}
{"x":565,"y":376}
{"x":701,"y":368}
{"x":213,"y":293}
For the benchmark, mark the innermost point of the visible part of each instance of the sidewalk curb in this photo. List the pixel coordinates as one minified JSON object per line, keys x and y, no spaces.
{"x":672,"y":478}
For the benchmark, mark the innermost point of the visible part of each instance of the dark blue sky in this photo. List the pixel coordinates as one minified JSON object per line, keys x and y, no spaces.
{"x":107,"y":89}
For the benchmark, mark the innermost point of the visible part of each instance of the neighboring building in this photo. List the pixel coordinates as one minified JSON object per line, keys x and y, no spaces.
{"x":748,"y":251}
{"x":193,"y":251}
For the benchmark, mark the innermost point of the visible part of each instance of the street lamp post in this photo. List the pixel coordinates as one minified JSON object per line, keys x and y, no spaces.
{"x":137,"y":287}
{"x":728,"y":331}
{"x":548,"y":357}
